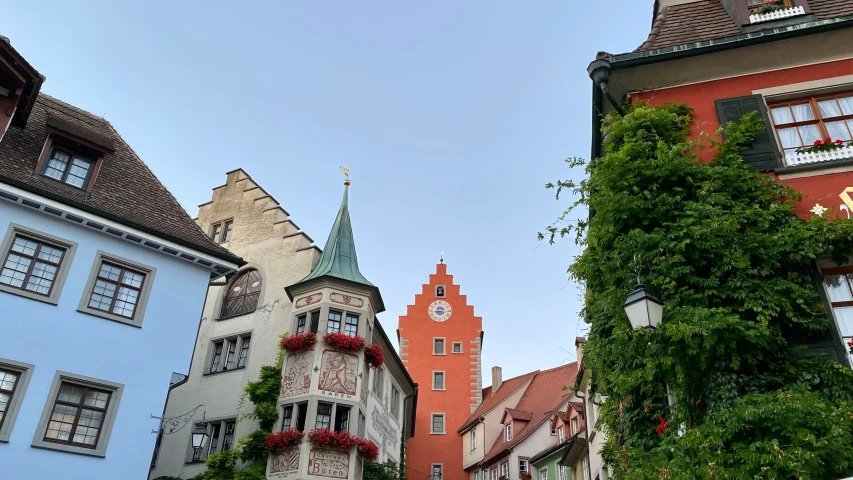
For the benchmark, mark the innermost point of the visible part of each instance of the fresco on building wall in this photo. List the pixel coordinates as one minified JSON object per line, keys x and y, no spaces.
{"x":296,"y":379}
{"x":346,"y":300}
{"x":328,"y":463}
{"x":283,"y":464}
{"x":309,"y":300}
{"x":338,"y":373}
{"x":382,"y":425}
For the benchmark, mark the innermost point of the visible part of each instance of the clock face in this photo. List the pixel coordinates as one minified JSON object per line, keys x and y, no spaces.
{"x":440,"y":310}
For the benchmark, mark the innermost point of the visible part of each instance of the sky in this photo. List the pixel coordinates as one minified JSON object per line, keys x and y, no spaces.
{"x":451,"y":115}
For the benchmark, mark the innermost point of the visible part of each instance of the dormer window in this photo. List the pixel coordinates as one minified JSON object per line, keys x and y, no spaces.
{"x":508,"y":432}
{"x":766,"y":6}
{"x":751,"y":12}
{"x":560,"y":434}
{"x":69,"y":167}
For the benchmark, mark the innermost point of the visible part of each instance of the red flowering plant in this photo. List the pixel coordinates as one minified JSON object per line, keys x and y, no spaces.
{"x":525,"y":476}
{"x":342,"y":341}
{"x":663,"y":426}
{"x":850,"y":347}
{"x":298,"y":343}
{"x":367,"y":449}
{"x":825,"y":145}
{"x":374,"y":356}
{"x":332,"y":440}
{"x":283,"y":439}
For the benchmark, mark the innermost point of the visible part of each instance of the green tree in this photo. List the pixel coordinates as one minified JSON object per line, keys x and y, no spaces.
{"x":381,"y":471}
{"x":735,"y":267}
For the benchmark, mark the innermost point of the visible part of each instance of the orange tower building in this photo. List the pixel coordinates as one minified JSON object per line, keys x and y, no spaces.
{"x":440,"y":343}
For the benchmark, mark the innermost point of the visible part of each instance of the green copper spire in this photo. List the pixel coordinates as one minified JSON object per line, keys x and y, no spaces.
{"x":339,"y":259}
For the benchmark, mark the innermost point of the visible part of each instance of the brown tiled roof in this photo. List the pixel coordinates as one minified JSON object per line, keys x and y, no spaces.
{"x":690,"y":23}
{"x":491,"y":401}
{"x":562,"y":416}
{"x":578,"y":406}
{"x":704,"y":20}
{"x":517,"y":414}
{"x":125,"y":191}
{"x":543,"y":397}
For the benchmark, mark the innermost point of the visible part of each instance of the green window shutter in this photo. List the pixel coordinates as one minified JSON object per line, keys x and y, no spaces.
{"x":763,"y":155}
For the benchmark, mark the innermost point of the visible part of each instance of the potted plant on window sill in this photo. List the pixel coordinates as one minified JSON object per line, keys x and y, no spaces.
{"x":283,"y":439}
{"x":342,"y":341}
{"x":299,"y":342}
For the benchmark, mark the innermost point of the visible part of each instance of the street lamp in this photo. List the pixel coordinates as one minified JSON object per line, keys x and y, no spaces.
{"x":199,"y":436}
{"x":643,"y":308}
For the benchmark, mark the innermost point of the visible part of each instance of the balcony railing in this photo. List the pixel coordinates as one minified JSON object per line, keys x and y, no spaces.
{"x":777,"y":15}
{"x":794,"y":159}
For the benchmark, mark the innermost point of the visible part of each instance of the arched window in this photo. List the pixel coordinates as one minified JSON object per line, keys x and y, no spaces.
{"x":242,"y":296}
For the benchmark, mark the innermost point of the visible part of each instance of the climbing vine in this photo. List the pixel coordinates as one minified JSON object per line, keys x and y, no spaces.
{"x":721,"y":246}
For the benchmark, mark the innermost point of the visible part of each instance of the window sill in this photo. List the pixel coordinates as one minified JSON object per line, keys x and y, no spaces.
{"x":210,"y":374}
{"x":52,"y":300}
{"x":816,"y":168}
{"x":439,"y":354}
{"x":60,"y":447}
{"x":218,"y":319}
{"x":438,"y":433}
{"x":111,"y":316}
{"x":439,"y":390}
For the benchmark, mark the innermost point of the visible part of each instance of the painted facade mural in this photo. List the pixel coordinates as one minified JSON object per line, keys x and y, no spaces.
{"x":283,"y":464}
{"x":347,"y":300}
{"x":328,"y":463}
{"x":338,"y":374}
{"x":309,"y":300}
{"x":382,"y":426}
{"x":296,"y":379}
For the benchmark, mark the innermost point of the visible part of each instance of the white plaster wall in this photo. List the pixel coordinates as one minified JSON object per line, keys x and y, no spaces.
{"x":537,"y":441}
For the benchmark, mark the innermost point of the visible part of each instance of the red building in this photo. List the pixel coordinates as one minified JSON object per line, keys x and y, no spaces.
{"x":789,"y":60}
{"x":440,"y":341}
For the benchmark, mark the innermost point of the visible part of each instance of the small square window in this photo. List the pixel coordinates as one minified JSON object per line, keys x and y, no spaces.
{"x":437,"y":424}
{"x":395,"y":402}
{"x":14,"y":378}
{"x":437,"y":471}
{"x":66,"y":166}
{"x":324,"y":416}
{"x":34,"y":264}
{"x":457,"y":347}
{"x":351,"y":325}
{"x":117,"y":289}
{"x":220,"y":232}
{"x":333,"y":324}
{"x":378,"y":382}
{"x":79,"y":415}
{"x":438,"y":346}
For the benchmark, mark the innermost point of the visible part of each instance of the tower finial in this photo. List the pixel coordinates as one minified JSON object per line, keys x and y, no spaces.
{"x":442,"y":257}
{"x":346,"y":172}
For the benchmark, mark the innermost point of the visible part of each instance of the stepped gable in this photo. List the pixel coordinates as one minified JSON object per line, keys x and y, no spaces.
{"x":125,"y":190}
{"x":543,"y":397}
{"x":250,"y":198}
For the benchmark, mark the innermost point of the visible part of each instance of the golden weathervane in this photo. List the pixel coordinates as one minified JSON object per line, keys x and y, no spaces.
{"x":346,"y":172}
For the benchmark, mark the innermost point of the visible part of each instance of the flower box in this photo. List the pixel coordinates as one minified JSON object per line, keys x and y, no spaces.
{"x":342,"y":341}
{"x":820,"y":152}
{"x":777,"y":14}
{"x":332,"y":440}
{"x":367,"y":449}
{"x":298,"y":343}
{"x":283,"y":439}
{"x":374,"y":356}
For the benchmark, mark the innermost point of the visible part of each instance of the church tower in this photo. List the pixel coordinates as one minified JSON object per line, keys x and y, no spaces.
{"x":440,"y":344}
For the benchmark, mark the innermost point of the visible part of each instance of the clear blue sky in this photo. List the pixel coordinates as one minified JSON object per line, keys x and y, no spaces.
{"x":451,"y":114}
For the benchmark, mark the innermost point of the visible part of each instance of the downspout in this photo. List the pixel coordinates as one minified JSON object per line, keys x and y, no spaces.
{"x":599,"y":72}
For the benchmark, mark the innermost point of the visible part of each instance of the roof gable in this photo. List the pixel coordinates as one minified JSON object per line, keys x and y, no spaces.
{"x":516,"y":415}
{"x":492,"y":401}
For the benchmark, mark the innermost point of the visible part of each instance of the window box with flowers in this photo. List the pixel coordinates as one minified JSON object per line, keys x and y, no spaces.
{"x":283,"y":439}
{"x":332,"y":440}
{"x":525,"y":476}
{"x":374,"y":356}
{"x":342,"y":341}
{"x":298,"y":343}
{"x":367,"y":449}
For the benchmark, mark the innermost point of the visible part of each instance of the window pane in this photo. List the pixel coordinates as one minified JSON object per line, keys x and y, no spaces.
{"x":70,"y":393}
{"x":300,"y":324}
{"x":838,"y":289}
{"x":77,"y":173}
{"x":4,"y":404}
{"x":102,"y":295}
{"x":97,"y":399}
{"x":828,"y":108}
{"x":837,"y":130}
{"x":61,"y":422}
{"x":229,"y":359}
{"x":846,"y":105}
{"x":126,"y":302}
{"x":844,"y":315}
{"x":810,"y":134}
{"x":351,"y":327}
{"x":88,"y":427}
{"x":7,"y":380}
{"x":132,"y":279}
{"x":15,"y":270}
{"x":802,"y":112}
{"x":57,"y":164}
{"x":110,"y":272}
{"x":41,"y":278}
{"x":324,"y":416}
{"x":50,"y":254}
{"x":334,"y":323}
{"x":228,"y":441}
{"x":287,"y":418}
{"x":244,"y":352}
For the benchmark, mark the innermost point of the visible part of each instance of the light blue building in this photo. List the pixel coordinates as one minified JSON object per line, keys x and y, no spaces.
{"x":103,"y":277}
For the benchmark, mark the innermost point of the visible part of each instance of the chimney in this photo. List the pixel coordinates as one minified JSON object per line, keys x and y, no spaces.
{"x":497,"y":378}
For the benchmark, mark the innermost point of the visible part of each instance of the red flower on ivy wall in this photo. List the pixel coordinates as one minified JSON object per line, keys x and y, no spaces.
{"x":342,"y":341}
{"x":663,"y":426}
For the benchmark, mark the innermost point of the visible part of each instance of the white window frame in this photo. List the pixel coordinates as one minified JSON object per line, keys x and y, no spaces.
{"x":395,"y":402}
{"x":561,"y":436}
{"x":443,"y":423}
{"x":378,"y":382}
{"x":443,"y":380}
{"x":238,"y":339}
{"x":494,"y":473}
{"x":24,"y":371}
{"x":543,"y":473}
{"x":504,"y":469}
{"x":575,"y":426}
{"x":508,"y":432}
{"x":144,"y":293}
{"x":432,"y":471}
{"x":553,"y":431}
{"x":100,"y":450}
{"x":474,"y":439}
{"x":453,"y":348}
{"x":523,"y":465}
{"x":443,"y":346}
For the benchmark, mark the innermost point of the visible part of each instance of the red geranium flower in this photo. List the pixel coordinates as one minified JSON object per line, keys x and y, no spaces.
{"x":827,"y":140}
{"x":663,"y":426}
{"x":839,"y":142}
{"x":817,"y":142}
{"x":374,"y":356}
{"x":367,"y":449}
{"x":332,"y":440}
{"x":283,"y":439}
{"x":342,"y":341}
{"x":297,"y":343}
